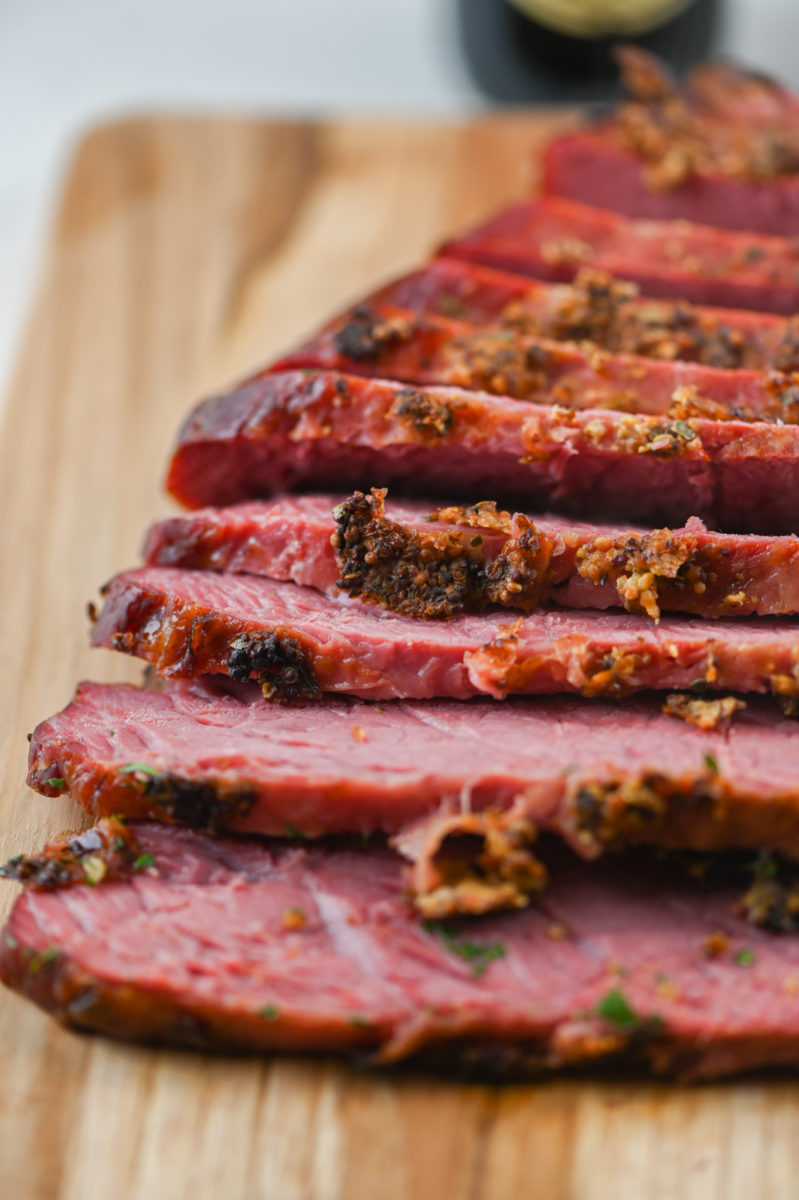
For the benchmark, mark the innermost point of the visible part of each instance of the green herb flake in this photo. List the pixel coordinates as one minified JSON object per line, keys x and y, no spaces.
{"x":94,"y":869}
{"x":112,"y":733}
{"x":476,"y":540}
{"x":616,"y":1009}
{"x":479,"y":955}
{"x":41,"y":960}
{"x":138,"y":768}
{"x":684,"y":430}
{"x":450,"y":305}
{"x":56,"y":782}
{"x":711,"y":764}
{"x":143,"y":862}
{"x":292,"y":831}
{"x":11,"y":941}
{"x":270,"y":1012}
{"x":118,"y":844}
{"x":764,"y":866}
{"x":358,"y":1022}
{"x":746,"y":957}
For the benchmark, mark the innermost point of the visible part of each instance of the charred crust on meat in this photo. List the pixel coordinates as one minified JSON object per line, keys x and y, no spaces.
{"x":772,"y":899}
{"x":648,"y":568}
{"x":205,"y":806}
{"x":786,"y":358}
{"x":610,"y":813}
{"x":676,"y":139}
{"x":704,"y":713}
{"x":106,"y":852}
{"x":603,"y":311}
{"x":433,"y":572}
{"x":481,"y":862}
{"x":366,"y":334}
{"x":501,"y":361}
{"x":277,"y":661}
{"x":687,"y":403}
{"x":425,"y":413}
{"x":784,"y":392}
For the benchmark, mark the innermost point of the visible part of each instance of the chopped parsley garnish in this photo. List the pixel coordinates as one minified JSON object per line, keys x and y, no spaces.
{"x":94,"y":869}
{"x":143,"y":862}
{"x":11,"y":941}
{"x":615,"y":1008}
{"x":358,"y":1021}
{"x":764,"y":866}
{"x":56,"y":782}
{"x":141,"y":768}
{"x":270,"y":1012}
{"x":684,"y":430}
{"x":293,"y":832}
{"x":40,"y":960}
{"x":478,"y":954}
{"x":476,"y":540}
{"x":711,"y":764}
{"x":745,"y":957}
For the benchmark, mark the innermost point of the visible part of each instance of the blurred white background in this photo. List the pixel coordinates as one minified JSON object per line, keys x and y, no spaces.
{"x":66,"y":64}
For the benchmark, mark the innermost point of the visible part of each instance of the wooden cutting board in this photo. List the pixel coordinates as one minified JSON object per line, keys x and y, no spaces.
{"x":185,"y":253}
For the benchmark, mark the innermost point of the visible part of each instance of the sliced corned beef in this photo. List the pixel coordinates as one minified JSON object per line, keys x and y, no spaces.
{"x":723,"y":151}
{"x":327,"y":430}
{"x":597,"y":308}
{"x":416,"y":559}
{"x":253,"y":947}
{"x":463,"y":787}
{"x":593,"y":167}
{"x":504,"y":360}
{"x":553,"y":238}
{"x":299,"y":643}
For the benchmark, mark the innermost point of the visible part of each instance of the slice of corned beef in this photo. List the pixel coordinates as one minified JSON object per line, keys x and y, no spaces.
{"x":464,"y":788}
{"x":299,"y":643}
{"x":327,"y":430}
{"x":723,"y":151}
{"x":552,"y":239}
{"x":424,"y":349}
{"x":420,"y":560}
{"x":253,"y":947}
{"x":597,"y":308}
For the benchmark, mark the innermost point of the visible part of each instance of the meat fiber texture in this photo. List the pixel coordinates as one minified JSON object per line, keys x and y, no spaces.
{"x":245,"y":946}
{"x":323,"y":429}
{"x":298,"y":642}
{"x":600,"y":309}
{"x":591,"y":167}
{"x":598,"y":774}
{"x":382,"y":341}
{"x":552,"y":239}
{"x":591,"y":566}
{"x":722,"y":150}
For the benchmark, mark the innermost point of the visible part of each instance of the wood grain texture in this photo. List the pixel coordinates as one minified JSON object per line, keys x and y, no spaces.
{"x":186,"y":253}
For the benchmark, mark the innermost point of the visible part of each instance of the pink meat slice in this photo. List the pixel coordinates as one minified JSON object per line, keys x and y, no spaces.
{"x":289,"y":539}
{"x":431,"y":350}
{"x":477,"y":295}
{"x":553,"y":238}
{"x":296,"y":642}
{"x":258,"y":947}
{"x":218,"y":758}
{"x":635,"y":160}
{"x":325,"y":430}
